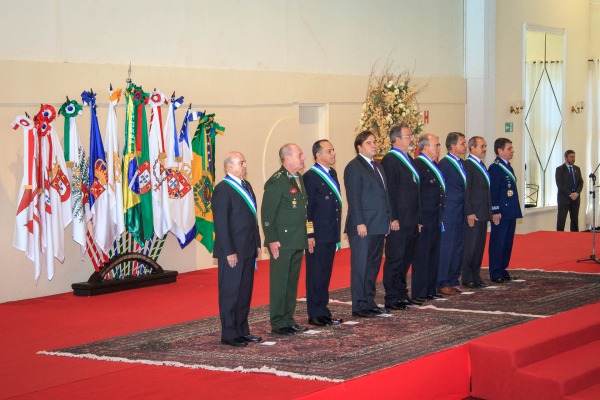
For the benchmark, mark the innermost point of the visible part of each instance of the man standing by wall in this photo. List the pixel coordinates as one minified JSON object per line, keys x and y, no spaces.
{"x":367,"y":223}
{"x":324,"y":214}
{"x":401,"y":243}
{"x":283,"y":214}
{"x":478,"y":209}
{"x":570,"y":183}
{"x":505,"y":208}
{"x":427,"y":257}
{"x":237,"y":245}
{"x":452,"y":242}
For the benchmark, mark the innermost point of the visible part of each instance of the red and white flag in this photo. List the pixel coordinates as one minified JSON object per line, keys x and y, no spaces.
{"x":114,"y":164}
{"x":27,"y":226}
{"x":158,"y":178}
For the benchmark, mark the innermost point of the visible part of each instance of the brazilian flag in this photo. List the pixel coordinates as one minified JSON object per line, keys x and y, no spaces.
{"x":203,"y":177}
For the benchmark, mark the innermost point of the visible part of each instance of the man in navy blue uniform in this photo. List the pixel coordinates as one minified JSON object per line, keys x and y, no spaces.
{"x":433,"y":193}
{"x":505,"y":209}
{"x":367,"y":223}
{"x":401,"y":243}
{"x":237,"y":245}
{"x":478,"y":209}
{"x":452,"y":239}
{"x":324,"y":214}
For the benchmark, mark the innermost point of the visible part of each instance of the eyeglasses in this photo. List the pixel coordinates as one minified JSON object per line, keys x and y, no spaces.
{"x":436,"y":145}
{"x":408,"y":137}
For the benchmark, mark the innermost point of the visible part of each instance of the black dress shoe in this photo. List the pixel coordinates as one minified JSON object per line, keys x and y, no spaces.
{"x":318,"y":321}
{"x":379,"y":310}
{"x":510,"y":278}
{"x":333,"y":321}
{"x":364,"y":314}
{"x":420,"y":300}
{"x":250,"y":338}
{"x":499,"y":280}
{"x":471,"y":285}
{"x":235,"y":342}
{"x":398,"y":305}
{"x":297,"y":329}
{"x":482,"y":285}
{"x":283,"y":332}
{"x":434,"y":296}
{"x":412,"y":302}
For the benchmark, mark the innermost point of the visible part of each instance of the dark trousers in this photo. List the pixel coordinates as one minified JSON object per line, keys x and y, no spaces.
{"x":319,"y":265}
{"x":572,"y":209}
{"x":235,"y":293}
{"x":284,"y":274}
{"x":473,"y":255}
{"x":426,"y":262}
{"x":452,"y":245}
{"x":365,"y":261}
{"x":501,"y":243}
{"x":400,"y":247}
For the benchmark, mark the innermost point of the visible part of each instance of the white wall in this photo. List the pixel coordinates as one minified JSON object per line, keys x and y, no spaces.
{"x":251,"y":62}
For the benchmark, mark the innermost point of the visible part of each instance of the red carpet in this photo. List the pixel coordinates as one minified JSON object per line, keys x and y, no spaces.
{"x":65,"y":320}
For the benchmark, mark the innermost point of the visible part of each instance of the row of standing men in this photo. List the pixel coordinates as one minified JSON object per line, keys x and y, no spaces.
{"x":431,"y":215}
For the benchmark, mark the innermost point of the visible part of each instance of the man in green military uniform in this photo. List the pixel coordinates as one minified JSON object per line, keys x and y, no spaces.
{"x":284,"y":222}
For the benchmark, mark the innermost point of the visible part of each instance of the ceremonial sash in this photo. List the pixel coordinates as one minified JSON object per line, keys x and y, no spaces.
{"x":435,"y":170}
{"x":329,"y":180}
{"x":512,"y":176}
{"x":458,"y":167}
{"x":486,"y":175}
{"x":402,"y":157}
{"x":242,"y":192}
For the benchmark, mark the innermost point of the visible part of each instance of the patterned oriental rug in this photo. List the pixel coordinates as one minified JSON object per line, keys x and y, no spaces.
{"x":351,"y":350}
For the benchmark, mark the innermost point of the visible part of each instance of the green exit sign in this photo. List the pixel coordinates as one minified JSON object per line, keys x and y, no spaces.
{"x":508,"y":127}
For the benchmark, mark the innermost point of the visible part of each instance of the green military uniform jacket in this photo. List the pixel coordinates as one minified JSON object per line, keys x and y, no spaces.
{"x":283,"y":211}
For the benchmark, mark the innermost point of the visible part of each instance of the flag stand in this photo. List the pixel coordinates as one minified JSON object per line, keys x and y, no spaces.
{"x":131,"y":267}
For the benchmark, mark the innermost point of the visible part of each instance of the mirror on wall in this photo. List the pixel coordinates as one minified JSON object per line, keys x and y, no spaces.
{"x":543,"y":113}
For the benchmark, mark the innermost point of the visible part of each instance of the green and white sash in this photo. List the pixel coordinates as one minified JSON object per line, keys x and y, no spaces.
{"x":404,"y":159}
{"x":328,"y":180}
{"x":483,"y":171}
{"x":242,"y":192}
{"x":508,"y":172}
{"x":458,"y":167}
{"x":435,"y":170}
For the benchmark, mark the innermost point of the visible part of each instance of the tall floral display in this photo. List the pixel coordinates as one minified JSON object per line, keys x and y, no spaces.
{"x":391,"y":99}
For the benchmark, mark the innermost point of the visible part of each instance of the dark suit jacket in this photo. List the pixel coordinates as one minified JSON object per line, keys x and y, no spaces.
{"x":563,"y":181}
{"x":236,"y":226}
{"x":324,"y":209}
{"x":432,"y":195}
{"x":503,"y":191}
{"x":403,"y":191}
{"x":368,"y":201}
{"x":477,"y":195}
{"x":454,"y":208}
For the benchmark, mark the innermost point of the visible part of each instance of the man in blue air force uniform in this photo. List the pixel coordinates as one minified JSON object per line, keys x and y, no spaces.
{"x":505,"y":209}
{"x":324,"y":213}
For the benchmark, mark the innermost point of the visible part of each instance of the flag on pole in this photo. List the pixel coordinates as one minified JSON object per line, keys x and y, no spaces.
{"x":27,"y":226}
{"x":114,"y":165}
{"x":78,"y":171}
{"x":203,"y":176}
{"x":161,"y":214}
{"x":179,"y":175}
{"x":137,"y":196}
{"x":57,"y":213}
{"x":102,"y":230}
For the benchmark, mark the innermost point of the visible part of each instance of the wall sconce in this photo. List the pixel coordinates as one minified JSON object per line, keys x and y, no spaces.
{"x":578,"y":107}
{"x":516,"y":108}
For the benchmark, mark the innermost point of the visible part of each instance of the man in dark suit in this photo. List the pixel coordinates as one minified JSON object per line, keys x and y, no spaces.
{"x":367,"y":223}
{"x":237,"y":245}
{"x":283,"y":214}
{"x":505,"y":209}
{"x":478,"y":209}
{"x":427,"y":257}
{"x":400,"y":244}
{"x":570,"y":183}
{"x":324,"y":215}
{"x":452,"y":241}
